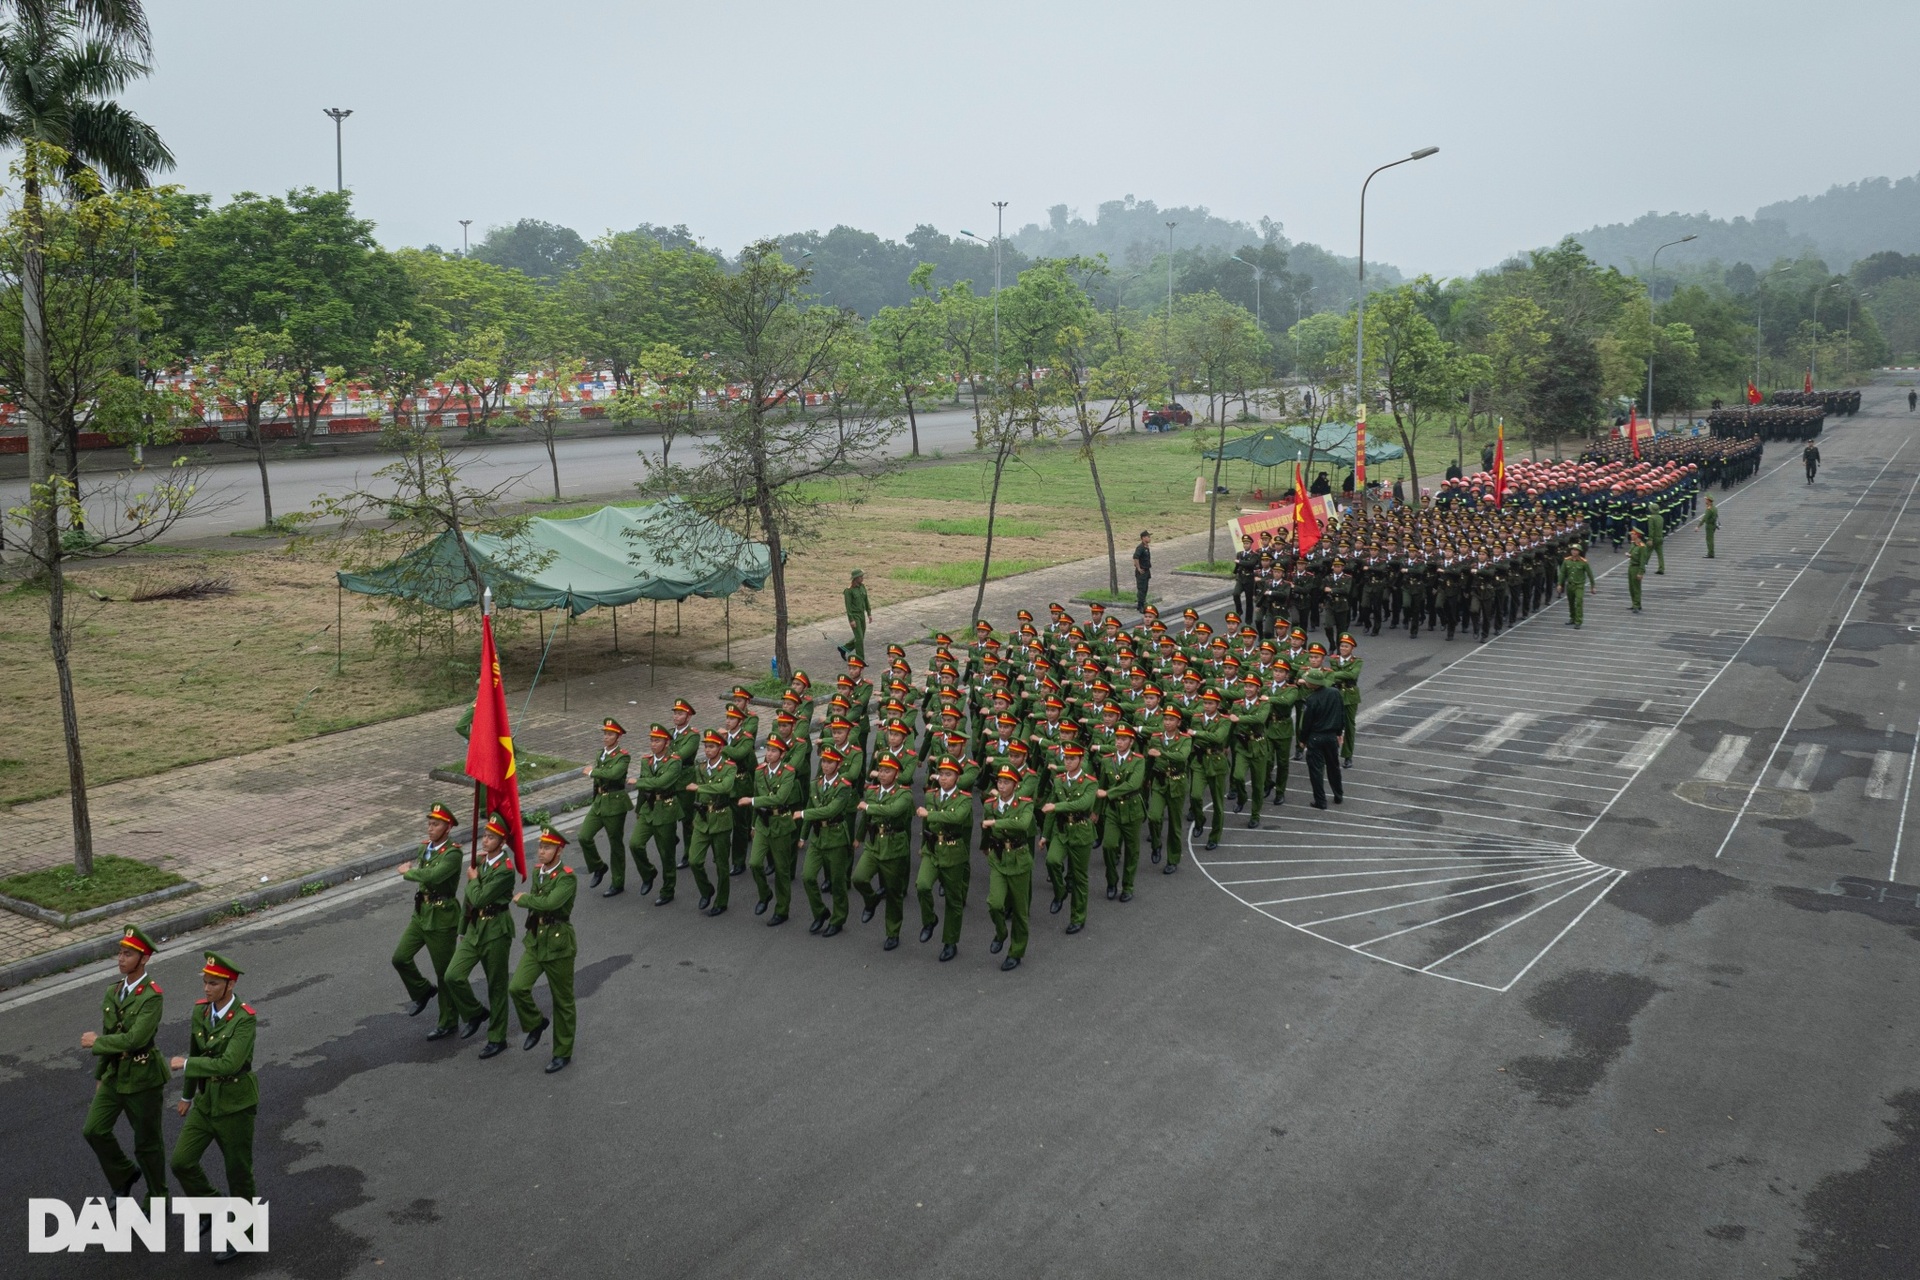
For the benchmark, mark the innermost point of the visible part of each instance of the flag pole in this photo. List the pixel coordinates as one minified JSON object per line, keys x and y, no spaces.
{"x":486,"y":611}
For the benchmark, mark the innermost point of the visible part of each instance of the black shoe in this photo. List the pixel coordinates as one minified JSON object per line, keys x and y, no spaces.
{"x":494,"y":1048}
{"x":533,"y":1036}
{"x":1253,"y":824}
{"x":1212,"y":845}
{"x":1278,"y":798}
{"x":1169,"y":869}
{"x":473,"y":1025}
{"x":949,"y":951}
{"x":646,"y":886}
{"x":819,"y":923}
{"x":778,"y":917}
{"x":683,"y":862}
{"x":830,"y":931}
{"x":1339,"y":799}
{"x":663,"y":900}
{"x":1126,"y":895}
{"x":1075,"y":928}
{"x":598,"y":876}
{"x":439,"y":1033}
{"x":1155,"y":855}
{"x":890,"y":944}
{"x":993,"y":948}
{"x":226,"y":1255}
{"x":421,"y":1003}
{"x":719,"y":909}
{"x":706,"y":900}
{"x":558,"y":1064}
{"x":866,"y":913}
{"x":1112,"y":892}
{"x":738,"y":871}
{"x":940,"y":887}
{"x":1319,"y":804}
{"x":1010,"y":964}
{"x":615,"y":891}
{"x":926,"y":934}
{"x":127,"y":1190}
{"x":760,"y":907}
{"x":1238,"y":804}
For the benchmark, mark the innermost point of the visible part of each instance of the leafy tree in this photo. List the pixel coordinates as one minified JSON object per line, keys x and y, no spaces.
{"x":250,"y":374}
{"x":536,"y":249}
{"x":629,"y":293}
{"x":906,"y":342}
{"x":1410,"y":363}
{"x":480,"y":324}
{"x":1568,"y":394}
{"x":1722,"y":333}
{"x":966,"y":333}
{"x":1220,"y":343}
{"x":543,"y":406}
{"x":666,"y":390}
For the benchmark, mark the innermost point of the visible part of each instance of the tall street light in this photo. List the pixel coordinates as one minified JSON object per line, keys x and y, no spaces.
{"x":1259,"y":275}
{"x":999,"y":233}
{"x":1360,"y":329}
{"x":339,"y":169}
{"x":1653,"y":267}
{"x":464,"y":224}
{"x":1173,"y":385}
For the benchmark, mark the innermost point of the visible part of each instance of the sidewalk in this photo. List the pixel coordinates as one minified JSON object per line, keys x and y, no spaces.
{"x":245,"y":824}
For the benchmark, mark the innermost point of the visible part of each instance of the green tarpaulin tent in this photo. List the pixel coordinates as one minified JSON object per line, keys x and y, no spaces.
{"x":1334,"y":440}
{"x":1268,"y":447}
{"x":613,"y":557}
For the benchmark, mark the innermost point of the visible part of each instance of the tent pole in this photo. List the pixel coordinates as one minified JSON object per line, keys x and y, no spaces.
{"x":616,"y":628}
{"x":566,"y":668}
{"x":729,"y":630}
{"x":546,"y":646}
{"x":339,"y":625}
{"x":653,"y":643}
{"x":676,"y":617}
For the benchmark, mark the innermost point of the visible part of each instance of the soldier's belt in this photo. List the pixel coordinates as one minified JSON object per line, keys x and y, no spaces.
{"x":488,"y":913}
{"x":607,"y":788}
{"x":245,"y":1070}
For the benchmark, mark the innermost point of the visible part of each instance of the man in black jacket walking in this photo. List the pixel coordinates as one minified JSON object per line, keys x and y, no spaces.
{"x":1323,"y":721}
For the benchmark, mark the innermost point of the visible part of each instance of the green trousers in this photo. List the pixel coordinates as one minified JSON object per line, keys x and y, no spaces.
{"x":1709,"y":533}
{"x":615,"y":825}
{"x":234,"y":1134}
{"x":559,"y":974}
{"x":1166,"y":812}
{"x":492,"y":960}
{"x":664,"y":834}
{"x":1660,"y":555}
{"x":1068,"y":856}
{"x":858,"y":645}
{"x":893,"y":885}
{"x":1633,"y":587}
{"x":1214,"y":780}
{"x":773,"y":852}
{"x":1009,"y":905}
{"x":142,"y":1110}
{"x":954,"y":877}
{"x":719,"y":845}
{"x":439,"y":944}
{"x":834,"y":859}
{"x":1249,"y":770}
{"x":1353,"y":722}
{"x":1120,"y":846}
{"x":1577,"y":605}
{"x":1279,"y":764}
{"x":742,"y":842}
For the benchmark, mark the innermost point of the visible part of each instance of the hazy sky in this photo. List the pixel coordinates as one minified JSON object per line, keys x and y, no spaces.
{"x":745,"y":117}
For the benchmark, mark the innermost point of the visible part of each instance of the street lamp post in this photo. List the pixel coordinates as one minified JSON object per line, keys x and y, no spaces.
{"x":464,"y":224}
{"x":1360,"y":332}
{"x":338,"y":114}
{"x":1259,"y":275}
{"x":1173,"y":375}
{"x":999,"y":233}
{"x":1651,"y":269}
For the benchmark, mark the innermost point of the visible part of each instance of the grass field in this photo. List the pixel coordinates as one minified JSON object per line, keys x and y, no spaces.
{"x":113,"y":880}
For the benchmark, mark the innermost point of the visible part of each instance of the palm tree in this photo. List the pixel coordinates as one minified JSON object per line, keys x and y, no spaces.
{"x":59,"y":66}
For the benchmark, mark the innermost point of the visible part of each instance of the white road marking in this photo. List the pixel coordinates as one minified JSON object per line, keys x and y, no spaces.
{"x":1719,"y":766}
{"x":1880,"y":781}
{"x":1503,"y":732}
{"x":1802,"y":767}
{"x":1650,"y":745}
{"x":1432,"y":724}
{"x":1574,"y":739}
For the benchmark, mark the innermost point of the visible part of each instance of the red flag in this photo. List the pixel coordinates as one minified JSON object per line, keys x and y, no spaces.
{"x":1808,"y":385}
{"x":490,"y":747}
{"x":1306,"y":525}
{"x":1753,"y":392}
{"x":1633,"y":430}
{"x":1500,"y":466}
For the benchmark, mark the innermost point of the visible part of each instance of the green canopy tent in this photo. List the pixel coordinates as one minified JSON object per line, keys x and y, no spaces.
{"x":611,"y":557}
{"x":1334,"y":441}
{"x":1268,"y":447}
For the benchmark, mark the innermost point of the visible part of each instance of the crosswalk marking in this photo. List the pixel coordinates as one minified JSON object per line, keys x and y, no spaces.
{"x":1726,"y":756}
{"x":1642,"y":752}
{"x":1802,"y":766}
{"x":1431,"y":725}
{"x":1574,"y":739}
{"x":1503,"y":732}
{"x":1880,"y":781}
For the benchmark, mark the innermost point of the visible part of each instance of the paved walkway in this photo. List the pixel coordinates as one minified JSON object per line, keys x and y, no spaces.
{"x":234,"y":826}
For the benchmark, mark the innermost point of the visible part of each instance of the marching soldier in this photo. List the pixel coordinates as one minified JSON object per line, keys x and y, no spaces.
{"x":1637,"y":555}
{"x":829,"y":804}
{"x":1170,"y":756}
{"x":1710,"y":525}
{"x":882,"y":844}
{"x":740,"y":753}
{"x":131,"y":1073}
{"x":1124,"y":778}
{"x":486,"y":939}
{"x":1283,"y":700}
{"x":1210,"y":760}
{"x":686,"y":745}
{"x":947,"y":812}
{"x":776,"y":792}
{"x":1577,"y":581}
{"x":608,"y":810}
{"x":435,"y":923}
{"x":859,"y":612}
{"x":1345,"y":669}
{"x":712,"y":792}
{"x":220,"y":1095}
{"x":659,"y":784}
{"x":1247,"y":765}
{"x":1006,"y":838}
{"x":1075,"y":794}
{"x":549,"y":950}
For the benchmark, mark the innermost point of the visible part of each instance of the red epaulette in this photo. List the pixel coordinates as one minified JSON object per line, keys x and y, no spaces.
{"x":156,"y":987}
{"x":249,"y":1009}
{"x":203,"y":1002}
{"x":566,"y":871}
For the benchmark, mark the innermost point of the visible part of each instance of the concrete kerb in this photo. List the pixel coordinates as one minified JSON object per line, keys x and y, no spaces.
{"x":47,"y":963}
{"x":58,"y":920}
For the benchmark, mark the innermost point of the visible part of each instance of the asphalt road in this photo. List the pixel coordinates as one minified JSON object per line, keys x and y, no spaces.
{"x":228,"y":495}
{"x":1627,"y":1027}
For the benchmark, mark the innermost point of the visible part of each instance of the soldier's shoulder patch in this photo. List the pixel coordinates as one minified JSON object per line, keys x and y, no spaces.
{"x":203,"y":1002}
{"x":566,"y":871}
{"x":250,"y":1010}
{"x":156,"y":987}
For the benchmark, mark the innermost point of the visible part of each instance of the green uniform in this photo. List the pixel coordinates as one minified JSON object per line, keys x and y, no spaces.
{"x":740,"y":752}
{"x":1657,"y":537}
{"x":713,"y":805}
{"x":548,"y":948}
{"x":1247,"y":764}
{"x":1211,"y":758}
{"x":1167,"y":794}
{"x":1008,"y":846}
{"x":1709,"y":525}
{"x":132,"y":1075}
{"x":1124,"y":778}
{"x":486,"y":940}
{"x":686,"y":745}
{"x":776,"y":794}
{"x":659,"y":787}
{"x":608,"y":812}
{"x":883,"y":833}
{"x":1284,"y":699}
{"x":435,"y":924}
{"x":225,"y":1095}
{"x":1637,"y":558}
{"x":1576,"y":579}
{"x":949,"y":828}
{"x":830,"y":802}
{"x":858,"y":611}
{"x":1346,"y":678}
{"x":1070,"y":847}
